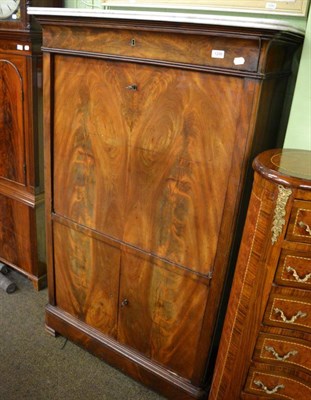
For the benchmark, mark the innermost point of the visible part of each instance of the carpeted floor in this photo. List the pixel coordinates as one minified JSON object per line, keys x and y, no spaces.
{"x":36,"y":366}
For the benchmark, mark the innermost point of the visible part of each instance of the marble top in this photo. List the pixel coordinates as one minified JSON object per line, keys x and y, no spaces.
{"x":167,"y":16}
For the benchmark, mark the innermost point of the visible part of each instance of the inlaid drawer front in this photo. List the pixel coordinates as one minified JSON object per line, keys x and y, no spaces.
{"x":214,"y":51}
{"x":283,"y":350}
{"x":294,"y":270}
{"x":300,"y":222}
{"x":289,"y":312}
{"x":277,"y":386}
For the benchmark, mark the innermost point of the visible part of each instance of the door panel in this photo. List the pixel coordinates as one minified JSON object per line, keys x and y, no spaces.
{"x":87,"y":278}
{"x":12,"y":135}
{"x":16,"y":236}
{"x":160,"y":311}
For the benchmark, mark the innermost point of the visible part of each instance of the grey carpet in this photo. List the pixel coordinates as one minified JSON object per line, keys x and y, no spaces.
{"x":37,"y":366}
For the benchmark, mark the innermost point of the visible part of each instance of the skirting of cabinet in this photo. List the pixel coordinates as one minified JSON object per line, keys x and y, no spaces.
{"x":120,"y":356}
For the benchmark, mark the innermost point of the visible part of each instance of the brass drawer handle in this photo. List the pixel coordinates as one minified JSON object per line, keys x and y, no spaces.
{"x":305,"y":226}
{"x":269,"y":391}
{"x":300,"y":314}
{"x":296,"y":276}
{"x":270,"y":349}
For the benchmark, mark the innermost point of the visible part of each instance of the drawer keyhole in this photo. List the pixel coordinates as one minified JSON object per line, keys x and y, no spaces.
{"x":133,"y":42}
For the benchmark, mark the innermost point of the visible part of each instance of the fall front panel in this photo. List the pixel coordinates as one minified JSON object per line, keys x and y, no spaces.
{"x":143,"y":152}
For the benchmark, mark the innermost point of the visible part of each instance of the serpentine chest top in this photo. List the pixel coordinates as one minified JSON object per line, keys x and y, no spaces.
{"x":150,"y":127}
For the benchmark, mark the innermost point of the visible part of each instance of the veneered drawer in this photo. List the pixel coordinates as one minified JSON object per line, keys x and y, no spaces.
{"x":283,"y":350}
{"x":214,"y":51}
{"x":278,"y":383}
{"x":299,"y":228}
{"x":294,"y":270}
{"x":289,"y":308}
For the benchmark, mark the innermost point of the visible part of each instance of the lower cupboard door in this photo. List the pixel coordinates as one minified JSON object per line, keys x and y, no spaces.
{"x":161,"y":311}
{"x":87,"y":278}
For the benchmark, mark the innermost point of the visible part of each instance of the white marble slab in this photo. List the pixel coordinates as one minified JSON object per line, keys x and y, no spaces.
{"x":185,"y":17}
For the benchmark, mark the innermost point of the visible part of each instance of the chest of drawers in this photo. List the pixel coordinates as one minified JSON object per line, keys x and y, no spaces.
{"x":265,"y":349}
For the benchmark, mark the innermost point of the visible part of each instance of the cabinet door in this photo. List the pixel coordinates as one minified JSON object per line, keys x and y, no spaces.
{"x":12,"y":135}
{"x":17,"y":244}
{"x":160,"y":311}
{"x":146,"y":155}
{"x":86,"y":277}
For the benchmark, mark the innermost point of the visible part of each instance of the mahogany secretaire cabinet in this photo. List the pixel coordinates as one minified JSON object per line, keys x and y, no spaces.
{"x":149,"y":130}
{"x":265,"y":349}
{"x":22,"y":236}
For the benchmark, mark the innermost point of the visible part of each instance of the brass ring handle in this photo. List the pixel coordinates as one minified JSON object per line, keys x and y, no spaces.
{"x":270,"y":349}
{"x":300,"y":314}
{"x":297,"y":277}
{"x":305,"y":226}
{"x":269,"y":391}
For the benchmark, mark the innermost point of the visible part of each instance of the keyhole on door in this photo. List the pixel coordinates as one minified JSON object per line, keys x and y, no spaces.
{"x":124,"y":302}
{"x":131,"y":87}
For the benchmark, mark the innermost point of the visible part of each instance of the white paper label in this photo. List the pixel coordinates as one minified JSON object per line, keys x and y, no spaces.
{"x":271,"y":6}
{"x":19,"y":47}
{"x":218,"y":54}
{"x":239,"y":61}
{"x":26,"y":47}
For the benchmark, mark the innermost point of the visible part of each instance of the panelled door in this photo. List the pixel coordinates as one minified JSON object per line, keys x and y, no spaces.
{"x":12,"y":129}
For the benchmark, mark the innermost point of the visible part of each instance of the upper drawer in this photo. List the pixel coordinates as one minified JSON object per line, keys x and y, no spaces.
{"x":294,"y":270}
{"x":289,"y":308}
{"x":299,"y":228}
{"x":195,"y":49}
{"x":283,"y":350}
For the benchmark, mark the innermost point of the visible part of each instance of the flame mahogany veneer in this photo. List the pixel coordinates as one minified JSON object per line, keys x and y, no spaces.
{"x":148,"y":140}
